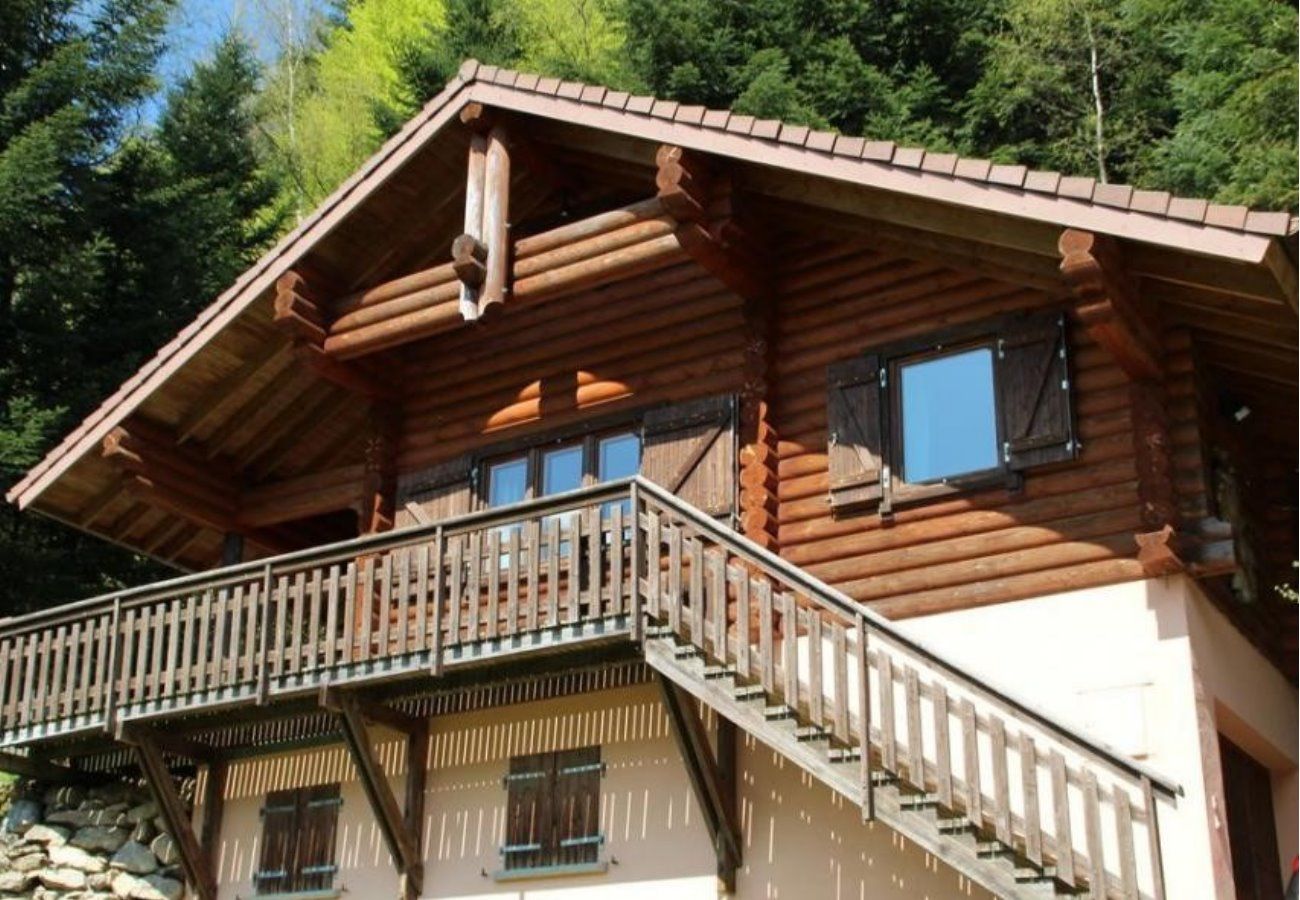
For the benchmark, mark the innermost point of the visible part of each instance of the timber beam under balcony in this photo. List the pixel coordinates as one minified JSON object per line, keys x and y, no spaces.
{"x":402,"y":830}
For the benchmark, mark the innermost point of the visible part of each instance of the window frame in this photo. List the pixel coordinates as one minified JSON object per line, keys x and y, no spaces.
{"x":547,"y":852}
{"x":893,"y":359}
{"x":296,"y":801}
{"x":534,"y":452}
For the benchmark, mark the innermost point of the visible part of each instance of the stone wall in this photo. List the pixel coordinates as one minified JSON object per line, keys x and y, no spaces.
{"x":105,"y":842}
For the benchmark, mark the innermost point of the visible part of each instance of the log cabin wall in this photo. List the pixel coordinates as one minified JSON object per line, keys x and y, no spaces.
{"x":1070,"y":526}
{"x":673,"y":335}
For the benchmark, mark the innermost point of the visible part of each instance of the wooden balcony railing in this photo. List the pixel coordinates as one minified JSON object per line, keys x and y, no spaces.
{"x":559,"y":571}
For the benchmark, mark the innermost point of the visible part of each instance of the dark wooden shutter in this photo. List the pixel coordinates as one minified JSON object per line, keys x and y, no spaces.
{"x":855,"y":425}
{"x":435,"y":493}
{"x":1252,"y":836}
{"x":318,"y":827}
{"x":576,"y":806}
{"x":690,"y":449}
{"x":276,"y":866}
{"x":528,"y":810}
{"x":1033,"y":381}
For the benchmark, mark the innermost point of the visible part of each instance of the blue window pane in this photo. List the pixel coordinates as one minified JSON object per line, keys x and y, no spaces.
{"x":949,"y":416}
{"x":507,"y":482}
{"x":620,"y":457}
{"x":561,"y":470}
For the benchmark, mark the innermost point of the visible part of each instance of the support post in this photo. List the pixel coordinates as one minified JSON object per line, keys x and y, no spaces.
{"x":196,"y":863}
{"x":496,"y":221}
{"x":214,"y":805}
{"x":232,"y":549}
{"x":712,"y":779}
{"x":402,"y":839}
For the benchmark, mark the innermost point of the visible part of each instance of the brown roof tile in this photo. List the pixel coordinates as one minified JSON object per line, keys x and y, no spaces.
{"x":880,"y":151}
{"x":740,"y":124}
{"x":1042,"y":182}
{"x":487,"y":73}
{"x":527,"y":81}
{"x":1154,"y":202}
{"x":570,"y":90}
{"x":1268,"y":222}
{"x":909,"y":157}
{"x":716,"y":118}
{"x":506,"y":77}
{"x":616,"y":99}
{"x":766,"y":129}
{"x":1076,"y":187}
{"x":1226,"y":216}
{"x":942,"y":163}
{"x":974,"y":169}
{"x":1011,"y":176}
{"x":849,"y":146}
{"x":793,"y":134}
{"x":822,"y":141}
{"x":1117,"y":195}
{"x":592,"y":93}
{"x":690,"y":115}
{"x":663,"y":109}
{"x":640,"y":104}
{"x":1188,"y":208}
{"x":547,"y":85}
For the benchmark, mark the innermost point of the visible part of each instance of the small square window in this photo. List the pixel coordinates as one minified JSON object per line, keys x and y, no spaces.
{"x":553,"y":812}
{"x":949,"y":415}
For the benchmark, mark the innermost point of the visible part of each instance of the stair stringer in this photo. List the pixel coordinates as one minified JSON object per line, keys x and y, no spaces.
{"x":993,"y":875}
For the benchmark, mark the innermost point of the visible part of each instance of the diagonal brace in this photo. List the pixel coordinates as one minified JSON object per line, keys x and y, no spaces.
{"x":196,"y":863}
{"x":401,"y":834}
{"x":711,"y":778}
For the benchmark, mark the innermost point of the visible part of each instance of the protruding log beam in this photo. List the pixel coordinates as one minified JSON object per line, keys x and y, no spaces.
{"x":303,"y":496}
{"x":714,"y":792}
{"x":682,"y":183}
{"x":196,"y":863}
{"x":469,"y":259}
{"x":1157,"y":552}
{"x":496,"y":221}
{"x":1108,"y":304}
{"x":402,"y":839}
{"x":300,"y":315}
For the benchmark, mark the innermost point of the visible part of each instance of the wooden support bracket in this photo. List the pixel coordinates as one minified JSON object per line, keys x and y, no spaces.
{"x":712,"y":778}
{"x":196,"y":863}
{"x":401,"y":832}
{"x":1107,"y":303}
{"x":302,"y":317}
{"x":1157,"y":552}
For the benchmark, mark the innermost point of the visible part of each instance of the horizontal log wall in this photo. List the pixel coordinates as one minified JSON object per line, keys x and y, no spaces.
{"x":1069,"y":527}
{"x":671,"y":335}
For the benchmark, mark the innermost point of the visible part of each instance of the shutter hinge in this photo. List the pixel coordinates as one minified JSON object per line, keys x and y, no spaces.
{"x":1002,"y":348}
{"x":884,"y":376}
{"x":1006,"y":451}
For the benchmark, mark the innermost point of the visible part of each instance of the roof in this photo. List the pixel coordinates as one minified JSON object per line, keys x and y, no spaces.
{"x":817,"y":164}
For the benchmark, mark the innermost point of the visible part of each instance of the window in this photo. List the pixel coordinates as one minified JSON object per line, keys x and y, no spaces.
{"x":969,"y":408}
{"x":949,"y":421}
{"x":558,"y":468}
{"x":553,"y":812}
{"x":298,"y":831}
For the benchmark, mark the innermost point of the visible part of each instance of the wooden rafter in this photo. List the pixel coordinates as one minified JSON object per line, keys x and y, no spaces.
{"x":197,"y":863}
{"x":712,"y":778}
{"x":1107,"y":303}
{"x":401,"y":831}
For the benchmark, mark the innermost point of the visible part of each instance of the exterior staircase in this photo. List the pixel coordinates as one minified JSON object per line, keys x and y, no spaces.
{"x":1000,"y":792}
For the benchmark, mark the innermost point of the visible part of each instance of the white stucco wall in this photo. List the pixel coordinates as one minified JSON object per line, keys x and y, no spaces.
{"x":800,"y":840}
{"x":1154,"y":670}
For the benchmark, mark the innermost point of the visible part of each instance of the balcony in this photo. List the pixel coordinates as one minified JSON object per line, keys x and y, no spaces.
{"x":980,"y":779}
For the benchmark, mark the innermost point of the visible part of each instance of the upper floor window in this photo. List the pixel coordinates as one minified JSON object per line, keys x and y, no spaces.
{"x":969,"y":408}
{"x":298,"y":837}
{"x":548,"y":470}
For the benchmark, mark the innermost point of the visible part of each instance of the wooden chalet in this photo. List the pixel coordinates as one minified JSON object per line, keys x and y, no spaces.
{"x":663,"y":502}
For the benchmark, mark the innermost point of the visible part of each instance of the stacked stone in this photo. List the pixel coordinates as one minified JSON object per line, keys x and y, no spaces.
{"x":99,"y":843}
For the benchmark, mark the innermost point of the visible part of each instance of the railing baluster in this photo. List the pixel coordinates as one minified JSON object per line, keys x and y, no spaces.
{"x":1029,"y":788}
{"x":55,"y":655}
{"x":971,"y":764}
{"x":248,"y":670}
{"x":473,"y":585}
{"x":915,"y":747}
{"x":332,"y":616}
{"x":718,"y":599}
{"x":172,"y":673}
{"x":384,"y":648}
{"x":126,"y":640}
{"x":1061,"y":817}
{"x":494,"y":584}
{"x":1124,"y":842}
{"x":349,"y":612}
{"x":555,"y":538}
{"x":696,"y":548}
{"x":74,"y":670}
{"x":1153,"y":840}
{"x":512,"y":584}
{"x":159,"y":641}
{"x":635,"y":562}
{"x":1001,"y":784}
{"x":595,"y":584}
{"x":789,"y":649}
{"x":264,"y":635}
{"x":435,"y":597}
{"x":403,"y":556}
{"x":1092,"y":833}
{"x":454,"y":582}
{"x":281,"y":642}
{"x":864,"y":720}
{"x":766,"y":655}
{"x":116,"y":651}
{"x":653,"y":563}
{"x":313,"y":649}
{"x":219,"y":639}
{"x":743,"y":668}
{"x":673,"y":599}
{"x":573,"y":594}
{"x":942,"y":746}
{"x":616,"y":560}
{"x":533,"y":555}
{"x":888,"y":741}
{"x":186,"y":673}
{"x":205,"y":625}
{"x":816,"y":672}
{"x":840,"y":670}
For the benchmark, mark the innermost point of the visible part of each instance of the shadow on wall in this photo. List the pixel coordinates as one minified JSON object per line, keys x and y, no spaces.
{"x":800,"y":840}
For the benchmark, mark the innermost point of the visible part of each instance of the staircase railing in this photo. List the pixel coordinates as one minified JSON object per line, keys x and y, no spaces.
{"x":580,"y":566}
{"x":1044,"y":793}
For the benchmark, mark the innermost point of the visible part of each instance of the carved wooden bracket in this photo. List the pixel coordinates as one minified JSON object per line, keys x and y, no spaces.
{"x":1108,"y":304}
{"x":301,"y":315}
